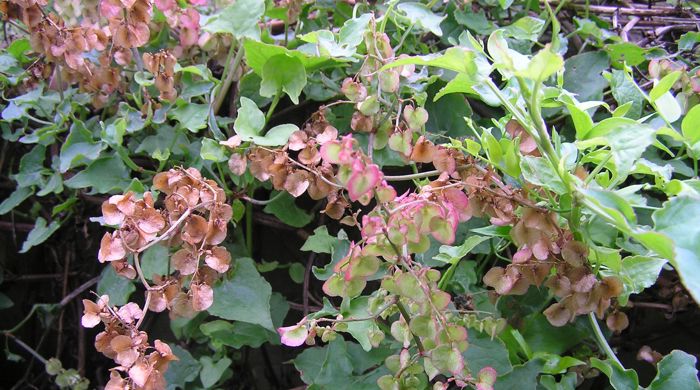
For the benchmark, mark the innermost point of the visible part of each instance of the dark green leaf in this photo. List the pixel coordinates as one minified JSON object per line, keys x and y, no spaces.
{"x":583,"y":75}
{"x":15,"y":199}
{"x":39,"y":233}
{"x":620,"y":379}
{"x":181,"y":371}
{"x":283,"y":207}
{"x":320,"y":241}
{"x":104,"y":175}
{"x":676,"y":371}
{"x":117,"y":287}
{"x":523,"y":377}
{"x":212,"y":371}
{"x":483,"y":351}
{"x":245,"y":297}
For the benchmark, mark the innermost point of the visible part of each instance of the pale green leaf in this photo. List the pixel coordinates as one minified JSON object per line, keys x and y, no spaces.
{"x":664,"y":85}
{"x":211,"y":150}
{"x":283,"y":73}
{"x":421,"y":16}
{"x":678,"y":221}
{"x":239,"y":19}
{"x":250,"y":120}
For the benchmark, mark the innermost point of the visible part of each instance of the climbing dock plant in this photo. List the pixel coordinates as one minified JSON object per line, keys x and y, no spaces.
{"x":476,"y":192}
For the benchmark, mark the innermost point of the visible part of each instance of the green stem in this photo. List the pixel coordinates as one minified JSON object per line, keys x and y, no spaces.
{"x":602,"y":342}
{"x":597,"y":169}
{"x":222,"y":176}
{"x":249,"y":224}
{"x":412,"y":176}
{"x":385,"y":18}
{"x":229,"y":74}
{"x":273,"y":105}
{"x":27,"y":348}
{"x":407,"y":318}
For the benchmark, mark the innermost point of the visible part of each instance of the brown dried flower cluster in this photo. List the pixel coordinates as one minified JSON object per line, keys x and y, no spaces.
{"x":543,"y":245}
{"x":162,"y":65}
{"x":121,"y":341}
{"x":194,"y":221}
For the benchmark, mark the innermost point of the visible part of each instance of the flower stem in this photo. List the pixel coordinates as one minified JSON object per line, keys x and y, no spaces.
{"x":407,"y":318}
{"x":602,"y":342}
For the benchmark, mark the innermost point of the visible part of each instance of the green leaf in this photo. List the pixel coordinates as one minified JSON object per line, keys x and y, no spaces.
{"x":620,"y":379}
{"x":582,"y":75}
{"x":626,"y":52}
{"x":212,"y":371}
{"x":543,"y":65}
{"x":538,"y":171}
{"x":211,"y":150}
{"x":361,"y":330}
{"x":192,"y":116}
{"x":118,"y":288}
{"x":627,"y":138}
{"x":555,"y":364}
{"x":324,"y":366}
{"x":296,"y":273}
{"x":457,"y":59}
{"x":236,"y":334}
{"x":15,"y":199}
{"x":676,"y":371}
{"x":5,"y":302}
{"x":239,"y":19}
{"x":483,"y":351}
{"x":637,"y":273}
{"x":543,"y":337}
{"x":276,"y":136}
{"x":320,"y":241}
{"x":527,"y":28}
{"x":104,"y":175}
{"x":244,"y":297}
{"x":523,"y":377}
{"x":79,"y":147}
{"x":31,"y":167}
{"x":257,"y":54}
{"x":353,"y":30}
{"x":690,"y":126}
{"x":181,"y":371}
{"x":452,"y":254}
{"x":39,"y":233}
{"x":624,"y":91}
{"x":154,"y":261}
{"x":664,"y":85}
{"x":612,"y":204}
{"x":250,"y":120}
{"x":677,"y":220}
{"x":567,"y":382}
{"x":688,"y":40}
{"x":668,"y":107}
{"x":421,"y":16}
{"x":283,"y":73}
{"x":284,"y":208}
